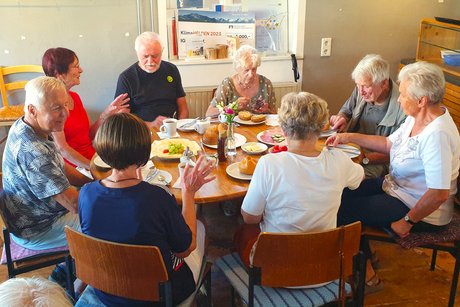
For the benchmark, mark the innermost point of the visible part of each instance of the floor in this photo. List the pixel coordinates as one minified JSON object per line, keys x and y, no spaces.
{"x":405,"y":273}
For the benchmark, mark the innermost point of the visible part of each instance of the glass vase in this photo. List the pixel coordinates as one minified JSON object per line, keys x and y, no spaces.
{"x":231,"y":143}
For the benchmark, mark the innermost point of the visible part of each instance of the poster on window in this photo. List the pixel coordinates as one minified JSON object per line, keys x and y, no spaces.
{"x":214,"y":29}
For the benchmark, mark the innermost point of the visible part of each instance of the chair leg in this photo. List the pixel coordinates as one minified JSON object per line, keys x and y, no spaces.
{"x":453,"y":287}
{"x":433,"y":259}
{"x":70,"y":273}
{"x":232,"y":296}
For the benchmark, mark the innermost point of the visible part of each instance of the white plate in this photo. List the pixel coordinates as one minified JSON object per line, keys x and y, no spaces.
{"x":254,"y":148}
{"x":272,"y":120}
{"x":246,"y":122}
{"x":167,"y":180}
{"x":349,"y":150}
{"x":270,"y":132}
{"x":184,"y":121}
{"x":233,"y":171}
{"x":159,"y":146}
{"x":100,"y":163}
{"x":239,"y":140}
{"x":327,"y":133}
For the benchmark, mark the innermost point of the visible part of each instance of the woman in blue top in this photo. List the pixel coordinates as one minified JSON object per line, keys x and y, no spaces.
{"x":123,"y":208}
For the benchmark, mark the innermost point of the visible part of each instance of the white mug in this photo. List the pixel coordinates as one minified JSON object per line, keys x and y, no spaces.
{"x":169,"y":127}
{"x":202,"y":125}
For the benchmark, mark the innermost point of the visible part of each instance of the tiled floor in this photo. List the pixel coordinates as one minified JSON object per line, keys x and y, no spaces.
{"x":405,"y":273}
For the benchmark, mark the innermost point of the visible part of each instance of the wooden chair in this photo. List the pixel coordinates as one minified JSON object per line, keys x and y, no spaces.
{"x":298,"y":259}
{"x":9,"y":113}
{"x":446,"y":240}
{"x":131,"y":271}
{"x":20,"y":260}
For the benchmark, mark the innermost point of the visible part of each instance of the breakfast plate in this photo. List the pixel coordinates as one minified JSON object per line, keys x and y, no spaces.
{"x":272,"y":137}
{"x":161,"y":148}
{"x":189,"y":124}
{"x":239,"y":141}
{"x":327,"y":133}
{"x":233,"y":171}
{"x":156,"y":179}
{"x":236,"y":119}
{"x":254,"y":148}
{"x":350,"y":151}
{"x":100,"y":163}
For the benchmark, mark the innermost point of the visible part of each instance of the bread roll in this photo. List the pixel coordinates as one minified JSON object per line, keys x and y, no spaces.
{"x":210,"y":136}
{"x":244,"y":115}
{"x":247,"y":166}
{"x":257,"y":118}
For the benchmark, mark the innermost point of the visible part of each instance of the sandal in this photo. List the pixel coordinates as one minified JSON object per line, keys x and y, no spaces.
{"x":373,"y":285}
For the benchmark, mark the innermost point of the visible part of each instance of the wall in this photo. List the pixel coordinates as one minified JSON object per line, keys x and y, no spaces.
{"x":359,"y":27}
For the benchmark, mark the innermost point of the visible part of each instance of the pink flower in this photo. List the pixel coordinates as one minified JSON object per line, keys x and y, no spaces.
{"x":229,"y":111}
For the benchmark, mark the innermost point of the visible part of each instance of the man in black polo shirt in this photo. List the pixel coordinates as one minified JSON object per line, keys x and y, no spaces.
{"x":153,"y":86}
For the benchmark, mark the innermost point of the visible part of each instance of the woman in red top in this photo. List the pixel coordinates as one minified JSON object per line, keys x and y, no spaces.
{"x":75,"y":142}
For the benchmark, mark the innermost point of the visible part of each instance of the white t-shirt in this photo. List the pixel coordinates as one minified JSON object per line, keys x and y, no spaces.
{"x":297,"y":193}
{"x":429,"y":160}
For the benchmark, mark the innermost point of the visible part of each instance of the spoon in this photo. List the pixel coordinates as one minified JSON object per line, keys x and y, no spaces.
{"x":162,"y":178}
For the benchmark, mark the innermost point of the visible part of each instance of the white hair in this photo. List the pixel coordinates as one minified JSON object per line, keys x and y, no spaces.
{"x":244,"y":53}
{"x":35,"y":291}
{"x":38,"y":89}
{"x":146,"y":38}
{"x":425,"y":80}
{"x":372,"y":66}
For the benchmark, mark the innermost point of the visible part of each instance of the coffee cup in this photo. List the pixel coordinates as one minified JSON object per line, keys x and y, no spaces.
{"x":169,"y":127}
{"x":181,"y":167}
{"x":202,"y":125}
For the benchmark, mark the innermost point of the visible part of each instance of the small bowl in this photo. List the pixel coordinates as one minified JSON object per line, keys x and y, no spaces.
{"x":452,"y":59}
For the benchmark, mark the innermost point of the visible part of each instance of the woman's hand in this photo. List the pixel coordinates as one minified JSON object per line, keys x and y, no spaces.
{"x":401,"y":228}
{"x":243,"y":103}
{"x":195,"y":177}
{"x":119,"y":105}
{"x":338,"y":122}
{"x":336,"y":139}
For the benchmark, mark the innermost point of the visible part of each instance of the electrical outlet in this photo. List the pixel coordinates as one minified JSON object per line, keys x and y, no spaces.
{"x":326,"y":46}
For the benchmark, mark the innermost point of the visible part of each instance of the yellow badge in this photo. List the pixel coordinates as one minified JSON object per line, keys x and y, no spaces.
{"x":170,"y":79}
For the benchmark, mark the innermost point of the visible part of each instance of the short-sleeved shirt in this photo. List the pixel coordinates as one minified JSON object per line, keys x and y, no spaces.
{"x":429,"y":160}
{"x":143,"y":214}
{"x":226,"y":93}
{"x":297,"y":193}
{"x":33,"y":172}
{"x":76,"y":129}
{"x":371,"y":117}
{"x":151,"y":94}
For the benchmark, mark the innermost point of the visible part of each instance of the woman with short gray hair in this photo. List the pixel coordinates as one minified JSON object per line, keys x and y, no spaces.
{"x":253,"y":92}
{"x":299,"y":189}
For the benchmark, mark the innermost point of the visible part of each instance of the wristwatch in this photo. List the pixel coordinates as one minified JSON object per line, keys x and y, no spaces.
{"x":408,"y":220}
{"x":365,"y":161}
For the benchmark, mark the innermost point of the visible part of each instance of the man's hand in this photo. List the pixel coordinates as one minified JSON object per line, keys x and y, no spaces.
{"x":157,"y":122}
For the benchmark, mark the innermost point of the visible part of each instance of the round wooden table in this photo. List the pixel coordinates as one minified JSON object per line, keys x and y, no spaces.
{"x":223,"y":187}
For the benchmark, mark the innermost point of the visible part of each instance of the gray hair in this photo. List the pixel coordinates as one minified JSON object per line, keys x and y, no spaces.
{"x":146,"y":38}
{"x":302,"y":115}
{"x":372,"y":66}
{"x":35,"y":291}
{"x":39,"y":89}
{"x":425,"y":79}
{"x":244,"y":53}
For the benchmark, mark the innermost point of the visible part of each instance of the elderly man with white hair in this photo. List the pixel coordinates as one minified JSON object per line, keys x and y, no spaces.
{"x":371,"y":109}
{"x":154,"y":86}
{"x":39,"y":197}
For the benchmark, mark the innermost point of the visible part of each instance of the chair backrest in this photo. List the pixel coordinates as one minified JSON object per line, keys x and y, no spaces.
{"x":298,"y":259}
{"x":5,"y":86}
{"x":131,"y":271}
